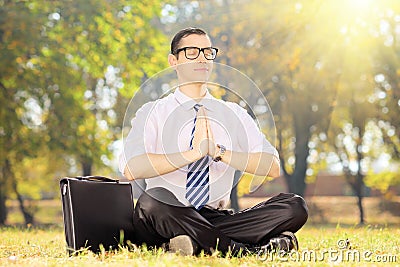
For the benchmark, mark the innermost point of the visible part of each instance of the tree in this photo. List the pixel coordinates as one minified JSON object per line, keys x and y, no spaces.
{"x":289,"y":72}
{"x":351,"y":149}
{"x":387,"y":96}
{"x":386,"y":70}
{"x":302,"y":65}
{"x":112,"y":46}
{"x":359,"y":142}
{"x":20,"y":35}
{"x":277,"y":46}
{"x":63,"y":65}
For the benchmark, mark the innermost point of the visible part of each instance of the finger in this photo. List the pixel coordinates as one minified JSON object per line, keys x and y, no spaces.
{"x":211,"y":144}
{"x":209,"y":134}
{"x":209,"y":131}
{"x":201,"y":122}
{"x":200,"y":134}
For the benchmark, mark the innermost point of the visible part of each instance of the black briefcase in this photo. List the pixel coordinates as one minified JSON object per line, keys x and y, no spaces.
{"x":97,"y":213}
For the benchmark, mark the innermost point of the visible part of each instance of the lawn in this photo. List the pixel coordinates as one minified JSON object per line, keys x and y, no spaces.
{"x":321,"y":244}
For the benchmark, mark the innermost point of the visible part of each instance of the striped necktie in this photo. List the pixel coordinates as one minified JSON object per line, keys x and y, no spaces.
{"x":197,"y":182}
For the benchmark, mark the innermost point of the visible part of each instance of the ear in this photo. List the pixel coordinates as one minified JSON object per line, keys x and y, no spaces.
{"x":172,"y":60}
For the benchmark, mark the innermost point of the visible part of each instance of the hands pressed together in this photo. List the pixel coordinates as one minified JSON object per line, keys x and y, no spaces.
{"x":203,"y":144}
{"x":203,"y":140}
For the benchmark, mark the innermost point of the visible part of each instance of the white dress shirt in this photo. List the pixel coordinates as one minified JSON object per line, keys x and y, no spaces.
{"x":164,"y":126}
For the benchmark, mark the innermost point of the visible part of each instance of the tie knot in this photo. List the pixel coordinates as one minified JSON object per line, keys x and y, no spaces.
{"x":197,"y":107}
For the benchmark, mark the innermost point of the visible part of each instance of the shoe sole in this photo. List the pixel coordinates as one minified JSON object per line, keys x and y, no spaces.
{"x":181,"y":244}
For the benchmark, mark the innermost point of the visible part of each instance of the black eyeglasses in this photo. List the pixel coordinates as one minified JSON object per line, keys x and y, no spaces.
{"x":209,"y":53}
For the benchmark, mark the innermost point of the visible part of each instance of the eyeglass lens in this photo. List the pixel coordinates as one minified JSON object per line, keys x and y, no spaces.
{"x":194,"y":52}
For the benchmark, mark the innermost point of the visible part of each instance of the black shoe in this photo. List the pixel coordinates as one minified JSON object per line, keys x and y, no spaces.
{"x":285,"y":242}
{"x":183,"y":245}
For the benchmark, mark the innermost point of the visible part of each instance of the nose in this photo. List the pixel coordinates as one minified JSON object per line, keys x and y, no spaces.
{"x":202,"y":57}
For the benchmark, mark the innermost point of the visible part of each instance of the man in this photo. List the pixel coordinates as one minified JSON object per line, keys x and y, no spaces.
{"x":187,"y":146}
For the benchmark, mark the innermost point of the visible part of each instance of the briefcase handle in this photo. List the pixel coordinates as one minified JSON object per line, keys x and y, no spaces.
{"x":97,"y":178}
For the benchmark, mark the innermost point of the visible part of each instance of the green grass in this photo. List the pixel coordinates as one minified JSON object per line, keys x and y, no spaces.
{"x":46,"y":247}
{"x":332,"y":220}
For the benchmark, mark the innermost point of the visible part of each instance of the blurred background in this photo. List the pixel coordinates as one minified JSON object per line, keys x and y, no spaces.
{"x":330,"y":70}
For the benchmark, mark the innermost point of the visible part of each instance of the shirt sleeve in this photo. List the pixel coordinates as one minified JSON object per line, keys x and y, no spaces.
{"x":141,"y":137}
{"x":256,"y":141}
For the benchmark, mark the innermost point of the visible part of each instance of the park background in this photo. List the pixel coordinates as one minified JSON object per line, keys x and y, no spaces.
{"x":330,"y":71}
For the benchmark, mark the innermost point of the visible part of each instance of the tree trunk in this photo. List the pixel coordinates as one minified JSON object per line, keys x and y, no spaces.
{"x":359,"y":191}
{"x":3,"y":208}
{"x":234,"y":199}
{"x":9,"y":176}
{"x":361,"y":209}
{"x":234,"y":195}
{"x":4,"y":178}
{"x":296,"y":181}
{"x":28,"y":216}
{"x":357,"y":185}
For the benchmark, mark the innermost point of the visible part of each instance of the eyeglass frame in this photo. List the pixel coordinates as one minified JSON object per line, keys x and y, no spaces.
{"x":199,"y":51}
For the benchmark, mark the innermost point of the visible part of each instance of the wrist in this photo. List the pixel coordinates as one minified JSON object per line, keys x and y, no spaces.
{"x":194,"y":154}
{"x":220,"y":152}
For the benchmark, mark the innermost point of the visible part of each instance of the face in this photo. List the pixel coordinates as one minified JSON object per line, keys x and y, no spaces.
{"x":192,"y":70}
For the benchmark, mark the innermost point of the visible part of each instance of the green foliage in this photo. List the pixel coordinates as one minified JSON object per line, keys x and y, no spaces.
{"x":249,"y":183}
{"x":382,"y":180}
{"x":321,"y":64}
{"x":68,"y":68}
{"x":110,"y":46}
{"x":65,"y":66}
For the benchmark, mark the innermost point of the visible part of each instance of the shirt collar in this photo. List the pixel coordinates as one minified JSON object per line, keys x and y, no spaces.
{"x":188,"y":103}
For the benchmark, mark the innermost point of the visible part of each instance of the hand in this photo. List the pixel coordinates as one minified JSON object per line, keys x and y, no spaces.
{"x":200,"y":141}
{"x":210,"y":138}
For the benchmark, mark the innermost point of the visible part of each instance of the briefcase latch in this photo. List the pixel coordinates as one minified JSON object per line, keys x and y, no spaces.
{"x":64,"y":189}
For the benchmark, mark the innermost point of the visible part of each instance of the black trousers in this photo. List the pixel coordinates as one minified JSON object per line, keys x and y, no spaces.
{"x":156,"y":222}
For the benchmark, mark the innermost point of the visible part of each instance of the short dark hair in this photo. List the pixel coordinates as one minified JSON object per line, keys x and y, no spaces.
{"x":182,"y":34}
